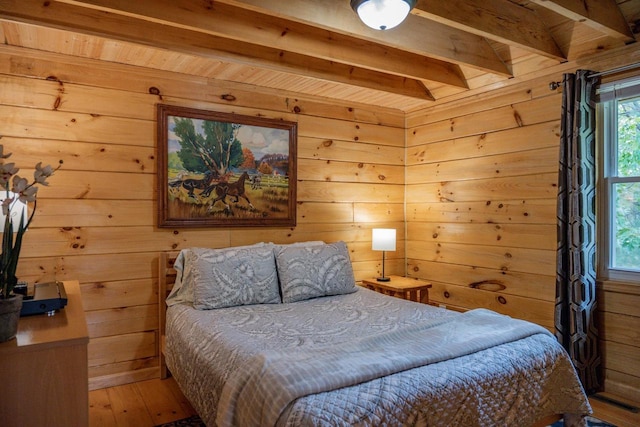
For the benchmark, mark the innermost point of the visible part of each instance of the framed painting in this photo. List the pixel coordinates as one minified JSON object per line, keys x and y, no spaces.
{"x":225,"y":170}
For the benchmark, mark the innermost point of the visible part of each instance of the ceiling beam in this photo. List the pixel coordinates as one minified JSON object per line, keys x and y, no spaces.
{"x":602,"y":15}
{"x":415,"y":35}
{"x":102,"y":24}
{"x":251,"y":27}
{"x":497,"y":20}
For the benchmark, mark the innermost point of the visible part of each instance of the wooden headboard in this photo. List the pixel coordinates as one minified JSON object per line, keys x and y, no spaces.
{"x":166,"y":279}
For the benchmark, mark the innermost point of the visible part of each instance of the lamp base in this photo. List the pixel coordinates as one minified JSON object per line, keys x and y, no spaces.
{"x":383,"y":279}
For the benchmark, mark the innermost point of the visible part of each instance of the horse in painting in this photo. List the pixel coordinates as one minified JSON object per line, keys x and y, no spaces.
{"x":193,"y":184}
{"x":224,"y":189}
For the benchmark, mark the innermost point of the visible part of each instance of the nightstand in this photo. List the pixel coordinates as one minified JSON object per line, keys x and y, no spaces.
{"x":402,"y":287}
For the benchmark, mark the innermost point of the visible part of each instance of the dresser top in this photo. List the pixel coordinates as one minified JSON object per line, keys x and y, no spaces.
{"x":67,"y":326}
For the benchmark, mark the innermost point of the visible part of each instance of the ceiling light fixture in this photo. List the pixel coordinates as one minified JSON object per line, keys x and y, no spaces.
{"x":382,"y":14}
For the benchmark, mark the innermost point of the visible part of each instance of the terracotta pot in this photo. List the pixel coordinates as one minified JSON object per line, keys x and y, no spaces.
{"x":9,"y":315}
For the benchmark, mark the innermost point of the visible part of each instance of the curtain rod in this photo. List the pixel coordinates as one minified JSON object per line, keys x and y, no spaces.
{"x":556,"y":85}
{"x":614,"y":70}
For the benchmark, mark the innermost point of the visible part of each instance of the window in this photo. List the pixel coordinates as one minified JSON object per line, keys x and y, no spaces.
{"x":619,"y":180}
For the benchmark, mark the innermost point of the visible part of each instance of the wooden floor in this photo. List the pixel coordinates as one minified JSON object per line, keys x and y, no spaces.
{"x":142,"y":404}
{"x":153,"y":402}
{"x":614,"y":414}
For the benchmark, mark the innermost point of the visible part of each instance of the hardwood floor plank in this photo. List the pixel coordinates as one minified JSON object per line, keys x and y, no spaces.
{"x":613,"y":414}
{"x":142,"y":404}
{"x":160,"y":401}
{"x":129,"y":407}
{"x":100,"y":412}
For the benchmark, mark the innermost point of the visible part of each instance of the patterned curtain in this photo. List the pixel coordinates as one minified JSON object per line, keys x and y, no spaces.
{"x":575,"y":315}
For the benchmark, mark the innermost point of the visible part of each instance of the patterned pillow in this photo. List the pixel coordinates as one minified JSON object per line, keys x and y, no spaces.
{"x":233,"y":276}
{"x":182,"y":291}
{"x":314,"y":271}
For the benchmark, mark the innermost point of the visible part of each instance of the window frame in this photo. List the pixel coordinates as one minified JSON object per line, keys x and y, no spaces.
{"x":607,"y":178}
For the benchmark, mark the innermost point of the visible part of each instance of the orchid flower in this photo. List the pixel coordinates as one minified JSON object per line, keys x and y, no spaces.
{"x":26,"y":193}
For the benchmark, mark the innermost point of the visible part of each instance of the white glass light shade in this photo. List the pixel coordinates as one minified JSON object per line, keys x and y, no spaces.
{"x":17,"y":209}
{"x":383,"y":239}
{"x":382,"y":14}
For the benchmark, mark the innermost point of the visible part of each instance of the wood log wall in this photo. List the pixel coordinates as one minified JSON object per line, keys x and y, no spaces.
{"x":619,"y":320}
{"x":480,"y":180}
{"x":481,"y":200}
{"x":481,"y":213}
{"x":96,"y":221}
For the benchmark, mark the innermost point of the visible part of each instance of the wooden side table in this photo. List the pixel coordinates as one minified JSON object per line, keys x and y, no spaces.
{"x":44,"y":370}
{"x":401,"y":287}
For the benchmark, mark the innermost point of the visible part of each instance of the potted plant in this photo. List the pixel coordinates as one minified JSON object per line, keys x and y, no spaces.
{"x":18,"y":192}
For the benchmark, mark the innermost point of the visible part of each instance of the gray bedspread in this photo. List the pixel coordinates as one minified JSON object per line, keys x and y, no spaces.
{"x":440,"y":373}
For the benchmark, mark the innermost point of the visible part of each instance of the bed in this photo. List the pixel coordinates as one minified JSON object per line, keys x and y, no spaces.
{"x":326,"y":352}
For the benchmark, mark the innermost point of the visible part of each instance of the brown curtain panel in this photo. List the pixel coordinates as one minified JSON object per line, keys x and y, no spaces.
{"x":575,"y":315}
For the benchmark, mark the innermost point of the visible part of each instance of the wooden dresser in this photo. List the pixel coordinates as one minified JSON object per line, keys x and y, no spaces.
{"x":44,"y":370}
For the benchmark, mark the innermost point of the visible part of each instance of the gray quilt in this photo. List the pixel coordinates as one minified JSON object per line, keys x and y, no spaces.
{"x":253,"y":365}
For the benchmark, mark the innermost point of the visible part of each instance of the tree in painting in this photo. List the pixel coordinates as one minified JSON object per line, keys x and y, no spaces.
{"x":216,"y":150}
{"x":249,"y":159}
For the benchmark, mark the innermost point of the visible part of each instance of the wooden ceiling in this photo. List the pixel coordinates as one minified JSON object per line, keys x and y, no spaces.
{"x":320,"y":48}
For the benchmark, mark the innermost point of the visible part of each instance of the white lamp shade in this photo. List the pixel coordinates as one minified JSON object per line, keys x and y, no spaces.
{"x":383,"y":14}
{"x":17,"y":209}
{"x":383,"y":239}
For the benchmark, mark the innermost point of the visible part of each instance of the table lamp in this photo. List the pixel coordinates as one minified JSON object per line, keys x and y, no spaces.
{"x":383,"y":239}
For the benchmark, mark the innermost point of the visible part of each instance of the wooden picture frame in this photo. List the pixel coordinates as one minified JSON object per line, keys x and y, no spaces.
{"x":225,"y":170}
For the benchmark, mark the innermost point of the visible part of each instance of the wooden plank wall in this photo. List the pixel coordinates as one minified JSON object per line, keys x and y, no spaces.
{"x":481,"y":199}
{"x":481,"y":213}
{"x":619,"y":319}
{"x":96,"y":221}
{"x":480,"y":196}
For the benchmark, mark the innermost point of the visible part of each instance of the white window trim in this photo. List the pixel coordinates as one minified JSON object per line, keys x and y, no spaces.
{"x":606,"y":117}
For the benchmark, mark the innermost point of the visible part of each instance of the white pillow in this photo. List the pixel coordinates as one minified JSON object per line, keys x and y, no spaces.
{"x":313,"y":271}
